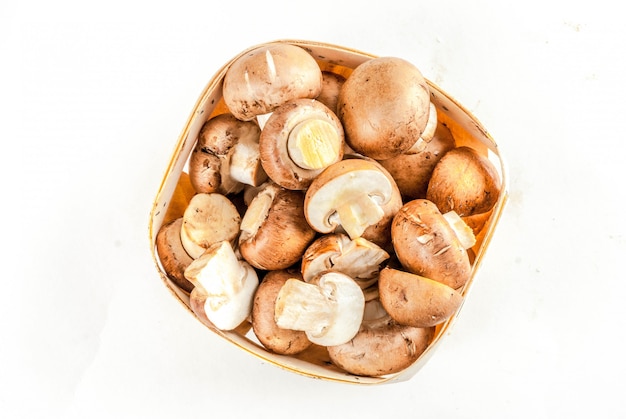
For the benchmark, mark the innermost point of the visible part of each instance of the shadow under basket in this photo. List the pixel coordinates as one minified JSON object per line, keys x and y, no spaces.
{"x":175,"y":191}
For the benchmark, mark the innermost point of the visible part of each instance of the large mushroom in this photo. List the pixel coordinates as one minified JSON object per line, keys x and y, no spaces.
{"x":274,"y":231}
{"x":356,"y":196}
{"x":268,"y":76}
{"x":299,"y":140}
{"x":384,"y":106}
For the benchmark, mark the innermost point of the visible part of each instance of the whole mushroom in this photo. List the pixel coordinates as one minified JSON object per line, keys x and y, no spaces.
{"x":172,"y":254}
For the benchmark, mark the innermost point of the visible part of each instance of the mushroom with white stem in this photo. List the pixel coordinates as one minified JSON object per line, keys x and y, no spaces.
{"x":417,"y":301}
{"x":329,"y":308}
{"x":412,"y":169}
{"x":299,"y":140}
{"x":172,"y":255}
{"x":358,"y":258}
{"x":384,"y":106}
{"x":381,"y":346}
{"x":274,"y":231}
{"x":209,"y":218}
{"x":264,"y":78}
{"x":226,"y":156}
{"x":276,"y":339}
{"x":464,"y":181}
{"x":225,"y":283}
{"x":355,"y":195}
{"x":427,"y":244}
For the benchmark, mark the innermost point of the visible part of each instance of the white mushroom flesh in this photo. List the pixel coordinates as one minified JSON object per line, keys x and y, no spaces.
{"x":314,"y":144}
{"x":464,"y":232}
{"x":228,"y":283}
{"x":428,"y":134}
{"x":257,"y":212}
{"x":245,"y":163}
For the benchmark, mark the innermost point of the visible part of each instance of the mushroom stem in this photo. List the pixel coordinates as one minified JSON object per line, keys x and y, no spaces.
{"x":245,"y":163}
{"x":303,"y":306}
{"x":314,"y":144}
{"x":358,"y":213}
{"x":462,"y":230}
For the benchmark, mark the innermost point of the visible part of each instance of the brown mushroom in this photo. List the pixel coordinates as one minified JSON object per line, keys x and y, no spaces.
{"x":416,"y":301}
{"x":274,"y":232}
{"x":299,"y":140}
{"x":426,"y":244}
{"x":464,"y":181}
{"x":384,"y":106}
{"x":276,"y":339}
{"x":266,"y":77}
{"x":331,"y":86}
{"x":172,"y":254}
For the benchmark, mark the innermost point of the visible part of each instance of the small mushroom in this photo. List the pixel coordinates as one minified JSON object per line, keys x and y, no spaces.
{"x":299,"y":140}
{"x":172,"y":254}
{"x":417,"y":301}
{"x":276,"y":339}
{"x":264,"y":78}
{"x":381,"y":346}
{"x":226,"y":156}
{"x":355,"y":195}
{"x":412,"y":169}
{"x":274,"y":232}
{"x":331,"y":86}
{"x":358,"y":258}
{"x":208,"y":219}
{"x":384,"y":106}
{"x":329,"y":308}
{"x":464,"y":181}
{"x":426,"y":244}
{"x":225,"y":283}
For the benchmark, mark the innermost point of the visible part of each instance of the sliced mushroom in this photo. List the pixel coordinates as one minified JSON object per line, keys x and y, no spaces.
{"x":417,"y":301}
{"x":358,"y":258}
{"x":274,"y":232}
{"x":352,"y":195}
{"x":384,"y":106}
{"x":225,"y":283}
{"x":268,"y":76}
{"x":412,"y":169}
{"x":426,"y":244}
{"x":299,"y":140}
{"x":464,"y":181}
{"x":208,"y":219}
{"x":276,"y":339}
{"x":329,"y":308}
{"x":172,"y":254}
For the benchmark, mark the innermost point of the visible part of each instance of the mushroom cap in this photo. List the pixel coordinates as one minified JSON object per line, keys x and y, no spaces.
{"x":464,"y":181}
{"x":276,"y":339}
{"x":172,"y":254}
{"x":331,"y":86}
{"x":268,"y":76}
{"x":384,"y":105}
{"x":278,"y":160}
{"x":426,"y":245}
{"x":412,"y":170}
{"x":274,"y":232}
{"x":413,"y":300}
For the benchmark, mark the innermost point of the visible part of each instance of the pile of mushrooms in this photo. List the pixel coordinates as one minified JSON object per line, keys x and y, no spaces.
{"x":331,"y":212}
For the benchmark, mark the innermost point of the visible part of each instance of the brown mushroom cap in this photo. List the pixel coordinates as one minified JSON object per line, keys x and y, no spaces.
{"x":331,"y":86}
{"x":464,"y":181}
{"x":274,"y":232}
{"x":416,"y":301}
{"x":384,"y":106}
{"x":268,"y":76}
{"x":426,"y":244}
{"x":276,"y":339}
{"x":412,"y":170}
{"x":172,"y":254}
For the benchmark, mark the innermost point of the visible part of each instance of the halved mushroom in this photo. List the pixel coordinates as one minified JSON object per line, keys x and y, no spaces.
{"x":226,"y":156}
{"x":209,"y":218}
{"x":384,"y":106}
{"x":426,"y":244}
{"x":299,"y":140}
{"x":225,"y":283}
{"x":172,"y":254}
{"x":358,"y":258}
{"x":464,"y":181}
{"x":268,"y":76}
{"x":381,"y":346}
{"x":274,"y":231}
{"x":412,"y":169}
{"x":276,"y":339}
{"x":416,"y":301}
{"x":353,"y":195}
{"x":329,"y":308}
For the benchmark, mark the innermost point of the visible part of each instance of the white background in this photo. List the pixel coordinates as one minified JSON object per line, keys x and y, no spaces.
{"x":92,"y":99}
